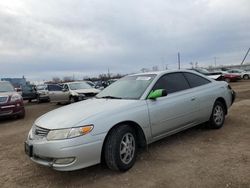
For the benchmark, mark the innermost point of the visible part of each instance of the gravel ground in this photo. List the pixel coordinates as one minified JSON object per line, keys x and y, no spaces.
{"x":197,"y":157}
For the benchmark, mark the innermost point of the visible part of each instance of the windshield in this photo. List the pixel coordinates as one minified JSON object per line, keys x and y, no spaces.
{"x":79,"y":85}
{"x":41,"y":87}
{"x":129,"y":87}
{"x":6,"y":87}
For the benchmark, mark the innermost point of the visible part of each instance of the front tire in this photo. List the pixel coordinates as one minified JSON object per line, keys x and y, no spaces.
{"x":218,"y":115}
{"x":72,"y":99}
{"x":246,"y":77}
{"x":22,"y":114}
{"x":121,"y":148}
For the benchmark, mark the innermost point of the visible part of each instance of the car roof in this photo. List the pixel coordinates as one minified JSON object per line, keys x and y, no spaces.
{"x":163,"y":72}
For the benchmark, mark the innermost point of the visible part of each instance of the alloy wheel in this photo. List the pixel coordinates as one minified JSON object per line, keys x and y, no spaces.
{"x":127,"y":148}
{"x":218,"y":115}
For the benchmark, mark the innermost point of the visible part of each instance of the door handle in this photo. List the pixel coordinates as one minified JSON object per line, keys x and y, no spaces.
{"x":193,"y":99}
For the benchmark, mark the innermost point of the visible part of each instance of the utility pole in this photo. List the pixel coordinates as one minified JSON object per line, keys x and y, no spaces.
{"x":215,"y":58}
{"x":245,"y":56}
{"x":179,"y":61}
{"x":108,"y":73}
{"x":162,"y":62}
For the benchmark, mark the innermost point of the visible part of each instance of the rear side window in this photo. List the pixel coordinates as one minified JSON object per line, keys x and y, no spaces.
{"x":54,"y":88}
{"x":195,"y":80}
{"x":172,"y":82}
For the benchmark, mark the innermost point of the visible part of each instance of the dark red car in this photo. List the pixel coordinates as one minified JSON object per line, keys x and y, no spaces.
{"x":11,"y":102}
{"x":231,"y":77}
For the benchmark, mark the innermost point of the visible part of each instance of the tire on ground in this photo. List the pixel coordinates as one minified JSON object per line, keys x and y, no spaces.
{"x":112,"y":153}
{"x":217,"y":117}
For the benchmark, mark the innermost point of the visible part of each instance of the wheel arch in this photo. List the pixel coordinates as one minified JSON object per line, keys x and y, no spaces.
{"x":140,"y":135}
{"x":223,"y":101}
{"x":248,"y":76}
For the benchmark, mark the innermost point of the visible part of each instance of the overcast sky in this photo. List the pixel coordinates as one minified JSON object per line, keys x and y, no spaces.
{"x":43,"y":39}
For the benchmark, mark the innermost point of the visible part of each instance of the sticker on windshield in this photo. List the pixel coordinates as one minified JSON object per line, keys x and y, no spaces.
{"x":145,"y":78}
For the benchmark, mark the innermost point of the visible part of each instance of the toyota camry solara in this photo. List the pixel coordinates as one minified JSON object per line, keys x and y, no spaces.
{"x":129,"y":114}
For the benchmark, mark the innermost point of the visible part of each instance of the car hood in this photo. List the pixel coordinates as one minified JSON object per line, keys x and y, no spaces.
{"x":71,"y":115}
{"x":87,"y":90}
{"x":6,"y":94}
{"x":216,"y":76}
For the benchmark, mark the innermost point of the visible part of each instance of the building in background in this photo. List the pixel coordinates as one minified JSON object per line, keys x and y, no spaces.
{"x":16,"y":82}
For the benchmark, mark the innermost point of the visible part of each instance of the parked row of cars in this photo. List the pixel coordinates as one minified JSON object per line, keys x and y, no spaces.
{"x":228,"y":75}
{"x":11,"y":99}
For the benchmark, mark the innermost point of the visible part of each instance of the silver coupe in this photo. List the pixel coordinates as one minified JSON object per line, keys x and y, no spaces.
{"x":129,"y":114}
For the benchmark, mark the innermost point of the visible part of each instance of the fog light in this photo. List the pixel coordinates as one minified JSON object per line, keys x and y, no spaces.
{"x":64,"y":160}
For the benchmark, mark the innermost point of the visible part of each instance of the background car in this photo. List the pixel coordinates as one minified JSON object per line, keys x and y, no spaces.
{"x":11,"y":103}
{"x":243,"y":74}
{"x":28,"y":92}
{"x":230,"y":77}
{"x":213,"y":75}
{"x":71,"y":92}
{"x":42,"y":93}
{"x":218,"y":75}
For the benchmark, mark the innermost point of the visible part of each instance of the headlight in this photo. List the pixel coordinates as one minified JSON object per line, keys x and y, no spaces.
{"x":60,"y":134}
{"x":73,"y":93}
{"x":15,"y":97}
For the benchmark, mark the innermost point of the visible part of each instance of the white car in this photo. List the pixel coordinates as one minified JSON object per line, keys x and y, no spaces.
{"x":71,"y":92}
{"x":127,"y":115}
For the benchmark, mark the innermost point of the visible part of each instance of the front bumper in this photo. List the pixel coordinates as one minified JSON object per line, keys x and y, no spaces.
{"x":85,"y":150}
{"x":10,"y":109}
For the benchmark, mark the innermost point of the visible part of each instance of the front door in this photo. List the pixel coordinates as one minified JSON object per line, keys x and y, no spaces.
{"x":174,"y":111}
{"x":57,"y":94}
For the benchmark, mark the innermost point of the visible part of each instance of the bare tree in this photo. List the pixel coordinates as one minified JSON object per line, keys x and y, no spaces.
{"x":56,"y":79}
{"x":68,"y":79}
{"x":155,"y":68}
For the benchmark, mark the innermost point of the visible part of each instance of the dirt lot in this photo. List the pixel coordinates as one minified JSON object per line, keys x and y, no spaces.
{"x":198,"y":157}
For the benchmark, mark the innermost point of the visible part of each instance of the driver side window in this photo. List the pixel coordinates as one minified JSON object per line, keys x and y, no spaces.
{"x":66,"y":87}
{"x":54,"y":88}
{"x":172,"y":82}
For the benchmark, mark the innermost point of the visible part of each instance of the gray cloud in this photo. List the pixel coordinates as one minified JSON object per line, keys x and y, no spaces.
{"x":40,"y":39}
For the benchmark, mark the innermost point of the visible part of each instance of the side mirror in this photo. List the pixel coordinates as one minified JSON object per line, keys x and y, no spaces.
{"x":157,"y":93}
{"x":65,"y":90}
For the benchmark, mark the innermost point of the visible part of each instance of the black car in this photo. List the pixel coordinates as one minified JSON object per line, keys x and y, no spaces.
{"x":29,"y":92}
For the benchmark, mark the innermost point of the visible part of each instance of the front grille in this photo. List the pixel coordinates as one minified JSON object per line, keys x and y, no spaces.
{"x":89,"y":94}
{"x":3,"y":99}
{"x":40,"y":132}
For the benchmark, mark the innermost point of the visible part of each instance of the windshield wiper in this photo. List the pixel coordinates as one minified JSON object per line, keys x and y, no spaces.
{"x":110,"y":97}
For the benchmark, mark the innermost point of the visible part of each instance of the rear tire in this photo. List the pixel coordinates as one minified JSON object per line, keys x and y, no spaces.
{"x":38,"y":100}
{"x":218,"y":115}
{"x":121,"y":148}
{"x":246,"y":77}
